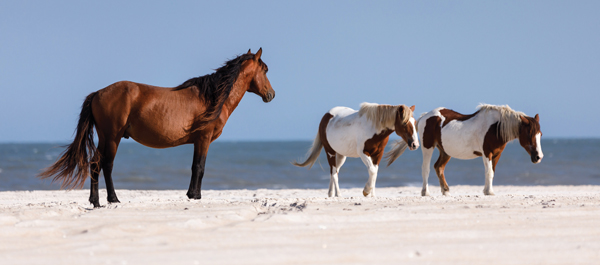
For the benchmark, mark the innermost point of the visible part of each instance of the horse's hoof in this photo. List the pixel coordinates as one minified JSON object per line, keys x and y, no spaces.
{"x":424,"y":193}
{"x":365,"y":193}
{"x":489,"y":193}
{"x":446,"y":192}
{"x":194,"y":196}
{"x":113,"y":200}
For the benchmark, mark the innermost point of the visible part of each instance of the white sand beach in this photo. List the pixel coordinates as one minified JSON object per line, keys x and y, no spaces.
{"x":520,"y":225}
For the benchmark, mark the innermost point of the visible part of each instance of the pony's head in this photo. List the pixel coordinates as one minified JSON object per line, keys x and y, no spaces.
{"x":405,"y":126}
{"x":260,"y":84}
{"x":530,"y":136}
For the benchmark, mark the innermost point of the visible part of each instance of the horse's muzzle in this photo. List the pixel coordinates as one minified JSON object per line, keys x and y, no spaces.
{"x":270,"y":96}
{"x":536,"y":157}
{"x":413,"y":145}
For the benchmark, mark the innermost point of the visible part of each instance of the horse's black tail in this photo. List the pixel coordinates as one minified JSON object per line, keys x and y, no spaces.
{"x":73,"y":167}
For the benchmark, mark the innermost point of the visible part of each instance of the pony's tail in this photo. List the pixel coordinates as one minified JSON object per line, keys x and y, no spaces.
{"x":312,"y":155}
{"x":73,"y":167}
{"x":398,"y":149}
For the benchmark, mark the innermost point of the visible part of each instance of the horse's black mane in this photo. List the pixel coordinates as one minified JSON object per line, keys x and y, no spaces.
{"x":215,"y":88}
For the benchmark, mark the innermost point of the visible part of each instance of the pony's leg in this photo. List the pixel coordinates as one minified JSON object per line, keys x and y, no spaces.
{"x":339,"y":161}
{"x":439,"y":166}
{"x":489,"y":176}
{"x":110,"y":151}
{"x":200,"y":151}
{"x":369,"y":189}
{"x":333,"y":169}
{"x":427,"y":153}
{"x":94,"y":173}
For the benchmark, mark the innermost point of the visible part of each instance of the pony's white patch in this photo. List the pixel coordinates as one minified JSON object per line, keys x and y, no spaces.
{"x":415,"y":135}
{"x":538,"y":146}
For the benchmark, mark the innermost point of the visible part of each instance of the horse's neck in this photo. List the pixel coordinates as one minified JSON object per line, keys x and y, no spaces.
{"x":235,"y":96}
{"x":495,"y":117}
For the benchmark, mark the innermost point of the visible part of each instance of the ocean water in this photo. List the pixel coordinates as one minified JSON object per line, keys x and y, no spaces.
{"x":257,"y":165}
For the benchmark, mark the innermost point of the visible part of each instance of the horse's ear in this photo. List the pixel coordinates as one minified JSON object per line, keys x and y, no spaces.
{"x":249,"y":52}
{"x":258,"y":54}
{"x":412,"y":108}
{"x":537,"y":117}
{"x":400,"y":109}
{"x":524,"y":120}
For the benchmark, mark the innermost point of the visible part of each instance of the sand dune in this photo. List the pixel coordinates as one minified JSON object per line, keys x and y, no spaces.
{"x":520,"y":225}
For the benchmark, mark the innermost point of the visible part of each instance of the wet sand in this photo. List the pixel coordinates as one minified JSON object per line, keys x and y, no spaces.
{"x":520,"y":225}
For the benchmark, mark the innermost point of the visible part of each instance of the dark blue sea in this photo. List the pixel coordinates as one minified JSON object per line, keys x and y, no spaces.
{"x":258,"y":165}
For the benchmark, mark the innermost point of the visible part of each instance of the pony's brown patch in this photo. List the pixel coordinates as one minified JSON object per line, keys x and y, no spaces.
{"x":374,"y":147}
{"x":451,"y":115}
{"x":477,"y":153}
{"x":402,"y":125}
{"x":432,"y":135}
{"x":493,"y":144}
{"x":329,"y":152}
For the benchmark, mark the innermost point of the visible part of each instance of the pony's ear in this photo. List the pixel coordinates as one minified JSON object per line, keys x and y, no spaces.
{"x":412,"y":108}
{"x":258,"y":54}
{"x":400,"y":109}
{"x":524,"y":120}
{"x":249,"y":52}
{"x":537,"y":117}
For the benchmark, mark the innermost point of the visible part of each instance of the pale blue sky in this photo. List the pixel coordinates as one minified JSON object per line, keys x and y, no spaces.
{"x":536,"y":56}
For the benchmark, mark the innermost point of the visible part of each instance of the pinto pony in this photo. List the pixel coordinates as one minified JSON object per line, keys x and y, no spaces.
{"x":483,"y":133}
{"x":159,"y":117}
{"x":345,"y":132}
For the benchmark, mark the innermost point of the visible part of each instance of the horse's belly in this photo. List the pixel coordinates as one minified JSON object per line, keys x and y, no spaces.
{"x":343,"y":144}
{"x":157,"y":137}
{"x":459,"y":147}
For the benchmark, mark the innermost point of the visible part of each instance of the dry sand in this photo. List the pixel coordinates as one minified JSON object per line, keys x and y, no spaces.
{"x":520,"y":225}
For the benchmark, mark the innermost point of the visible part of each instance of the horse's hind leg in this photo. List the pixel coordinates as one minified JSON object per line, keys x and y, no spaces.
{"x":333,"y":172}
{"x":94,"y":173}
{"x":110,"y":151}
{"x":334,"y":184}
{"x":427,"y":153}
{"x":439,"y":166}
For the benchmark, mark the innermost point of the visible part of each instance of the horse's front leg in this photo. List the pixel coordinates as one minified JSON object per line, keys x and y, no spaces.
{"x":427,"y":153}
{"x":369,"y":190}
{"x":489,"y":176}
{"x":200,"y":151}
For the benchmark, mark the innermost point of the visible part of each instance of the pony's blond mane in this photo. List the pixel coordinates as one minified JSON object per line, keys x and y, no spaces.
{"x":509,"y":120}
{"x":383,"y":116}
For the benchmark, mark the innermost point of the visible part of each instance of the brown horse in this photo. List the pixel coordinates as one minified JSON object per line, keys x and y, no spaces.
{"x":191,"y":113}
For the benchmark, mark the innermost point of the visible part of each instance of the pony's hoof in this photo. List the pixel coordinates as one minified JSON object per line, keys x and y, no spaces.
{"x":424,"y":192}
{"x":365,"y":193}
{"x":490,"y":193}
{"x":446,"y":193}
